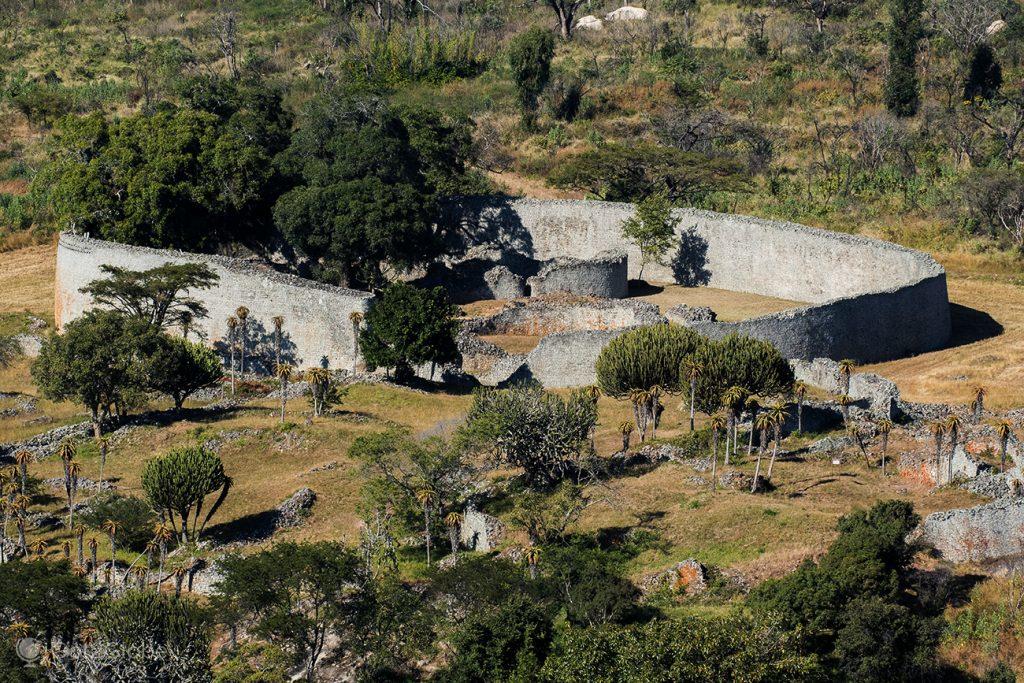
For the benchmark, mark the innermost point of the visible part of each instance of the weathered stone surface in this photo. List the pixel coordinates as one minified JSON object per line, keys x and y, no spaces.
{"x":590,"y":23}
{"x":681,"y":314}
{"x":688,"y":577}
{"x":981,"y":534}
{"x":29,"y":343}
{"x":831,"y":444}
{"x":602,"y":276}
{"x":294,"y":510}
{"x":316,"y":315}
{"x":869,"y":300}
{"x":627,"y":13}
{"x":564,"y":313}
{"x":502,"y":283}
{"x":871,"y":393}
{"x":480,"y":531}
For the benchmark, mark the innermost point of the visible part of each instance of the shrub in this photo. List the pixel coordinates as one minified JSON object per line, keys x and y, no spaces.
{"x":179,"y":368}
{"x":178,"y":483}
{"x":644,"y":358}
{"x":529,"y":58}
{"x":134,"y":517}
{"x":751,"y":364}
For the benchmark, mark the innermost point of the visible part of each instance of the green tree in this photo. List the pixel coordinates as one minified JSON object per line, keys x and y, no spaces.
{"x":509,"y":643}
{"x":527,"y":427}
{"x":407,"y":327}
{"x":652,"y":228}
{"x":880,"y":641}
{"x":444,"y":144}
{"x":529,"y":58}
{"x":359,"y":197}
{"x":753,"y":365}
{"x":99,"y":361}
{"x":984,"y":76}
{"x":47,"y":596}
{"x":631,"y":173}
{"x":133,"y":516}
{"x":641,"y":363}
{"x":296,"y":595}
{"x":902,"y":89}
{"x":178,"y":483}
{"x":158,"y":295}
{"x":179,"y":368}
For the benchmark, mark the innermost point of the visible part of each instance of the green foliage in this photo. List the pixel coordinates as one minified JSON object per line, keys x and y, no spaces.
{"x":177,"y":177}
{"x":134,"y":518}
{"x":684,"y":649}
{"x":359,"y":196}
{"x":294,"y":594}
{"x":508,"y":643}
{"x":631,"y":173}
{"x":529,"y":58}
{"x":644,"y":358}
{"x":902,"y":90}
{"x":652,"y":228}
{"x":546,"y":517}
{"x":527,"y":427}
{"x":735,"y":361}
{"x":254,"y":663}
{"x":589,"y":583}
{"x":158,"y":295}
{"x":45,"y":595}
{"x":1000,"y":673}
{"x":179,"y":482}
{"x":444,"y":143}
{"x":419,"y":54}
{"x":399,"y":466}
{"x":880,"y":641}
{"x":98,"y":361}
{"x":179,"y":368}
{"x":408,"y":326}
{"x":10,"y":349}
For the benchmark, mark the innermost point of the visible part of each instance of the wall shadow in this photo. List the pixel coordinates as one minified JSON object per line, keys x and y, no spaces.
{"x":259,"y":349}
{"x":971,"y":325}
{"x":690,"y":260}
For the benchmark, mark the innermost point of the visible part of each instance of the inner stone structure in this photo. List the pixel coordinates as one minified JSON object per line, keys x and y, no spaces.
{"x":868,"y":300}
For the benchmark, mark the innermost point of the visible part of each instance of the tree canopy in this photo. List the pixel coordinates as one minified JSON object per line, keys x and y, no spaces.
{"x":644,"y":358}
{"x":737,"y":361}
{"x":158,"y":295}
{"x":178,"y":483}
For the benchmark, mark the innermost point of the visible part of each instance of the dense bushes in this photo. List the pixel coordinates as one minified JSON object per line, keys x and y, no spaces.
{"x":644,"y":358}
{"x":751,"y":364}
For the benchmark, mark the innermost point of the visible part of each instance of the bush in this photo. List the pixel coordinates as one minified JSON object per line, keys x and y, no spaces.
{"x":179,"y":368}
{"x":134,"y":517}
{"x":735,"y":361}
{"x":177,"y":484}
{"x":529,"y":58}
{"x":644,"y":358}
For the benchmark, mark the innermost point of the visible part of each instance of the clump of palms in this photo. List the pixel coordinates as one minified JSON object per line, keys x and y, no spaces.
{"x":691,"y":372}
{"x":761,"y":423}
{"x":845,"y":401}
{"x":732,"y":400}
{"x":66,"y":452}
{"x":22,"y":459}
{"x":112,"y":528}
{"x":954,"y":427}
{"x":753,"y":406}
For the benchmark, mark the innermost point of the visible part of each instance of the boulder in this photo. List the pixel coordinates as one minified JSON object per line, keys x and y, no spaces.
{"x":986,"y":533}
{"x":871,"y":393}
{"x":628,"y":13}
{"x":293,"y":511}
{"x":590,"y":23}
{"x":502,"y":283}
{"x":689,"y":577}
{"x":681,"y":314}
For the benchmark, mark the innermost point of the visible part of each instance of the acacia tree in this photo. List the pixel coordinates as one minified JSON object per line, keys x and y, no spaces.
{"x":178,"y":483}
{"x":158,"y":295}
{"x":652,"y":228}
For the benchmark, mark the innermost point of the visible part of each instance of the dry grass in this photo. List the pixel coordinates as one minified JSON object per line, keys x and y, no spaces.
{"x":28,"y":280}
{"x":981,"y":352}
{"x":729,"y":305}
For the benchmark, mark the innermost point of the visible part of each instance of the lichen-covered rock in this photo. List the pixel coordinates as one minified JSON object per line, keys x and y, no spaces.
{"x":627,"y":13}
{"x":985,"y":533}
{"x":294,"y":511}
{"x":688,"y":577}
{"x":590,"y":23}
{"x":681,"y":314}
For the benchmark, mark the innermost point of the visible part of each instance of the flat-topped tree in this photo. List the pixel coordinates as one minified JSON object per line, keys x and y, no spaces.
{"x":158,"y":295}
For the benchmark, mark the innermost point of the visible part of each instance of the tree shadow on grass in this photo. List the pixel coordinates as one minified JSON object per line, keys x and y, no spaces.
{"x":971,"y":325}
{"x":253,"y":528}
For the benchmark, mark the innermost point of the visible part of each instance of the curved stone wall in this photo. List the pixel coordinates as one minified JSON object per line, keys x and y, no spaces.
{"x":550,"y":315}
{"x":604,"y":276}
{"x":316,"y":326}
{"x":871,"y":300}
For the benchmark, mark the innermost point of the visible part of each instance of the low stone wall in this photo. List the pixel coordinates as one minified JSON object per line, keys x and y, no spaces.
{"x":981,"y":534}
{"x":538,"y":317}
{"x":603,"y":276}
{"x":871,"y":300}
{"x":316,"y":316}
{"x":565,"y":359}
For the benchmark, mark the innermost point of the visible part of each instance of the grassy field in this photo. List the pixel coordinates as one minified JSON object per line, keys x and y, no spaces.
{"x":759,"y":536}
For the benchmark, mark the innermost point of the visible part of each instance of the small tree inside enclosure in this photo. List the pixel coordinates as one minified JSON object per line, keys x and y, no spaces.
{"x":179,"y":482}
{"x":525,"y":426}
{"x":652,"y":229}
{"x":751,"y":364}
{"x":642,"y":363}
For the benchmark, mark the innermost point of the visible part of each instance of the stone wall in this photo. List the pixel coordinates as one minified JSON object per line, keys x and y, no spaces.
{"x":603,"y":276}
{"x":538,"y":317}
{"x":985,"y":533}
{"x":316,"y":316}
{"x":871,"y":300}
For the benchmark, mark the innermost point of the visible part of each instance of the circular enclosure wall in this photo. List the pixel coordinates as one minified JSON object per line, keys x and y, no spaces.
{"x":870,"y":300}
